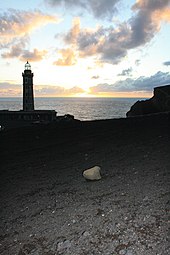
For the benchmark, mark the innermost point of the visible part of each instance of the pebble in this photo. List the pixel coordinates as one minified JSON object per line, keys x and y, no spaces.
{"x":122,"y":252}
{"x":129,"y":253}
{"x":86,"y":233}
{"x":92,"y":174}
{"x":63,"y":245}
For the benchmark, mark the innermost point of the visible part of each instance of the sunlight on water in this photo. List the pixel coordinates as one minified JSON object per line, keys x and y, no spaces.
{"x":81,"y":108}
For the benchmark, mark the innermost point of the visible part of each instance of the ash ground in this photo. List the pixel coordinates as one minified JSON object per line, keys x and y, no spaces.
{"x":48,"y":208}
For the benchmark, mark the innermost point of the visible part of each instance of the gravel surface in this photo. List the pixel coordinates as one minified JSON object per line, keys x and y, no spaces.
{"x":48,"y":208}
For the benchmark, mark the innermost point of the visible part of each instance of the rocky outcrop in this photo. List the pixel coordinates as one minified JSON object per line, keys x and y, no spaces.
{"x":160,"y":102}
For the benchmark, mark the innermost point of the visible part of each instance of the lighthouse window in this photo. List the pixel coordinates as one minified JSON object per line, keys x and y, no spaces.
{"x":26,"y":80}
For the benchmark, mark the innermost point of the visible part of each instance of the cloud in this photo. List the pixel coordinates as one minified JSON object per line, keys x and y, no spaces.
{"x":15,"y":27}
{"x":33,"y":56}
{"x":68,"y":58}
{"x":16,"y":49}
{"x":167,"y":63}
{"x":147,"y":22}
{"x":7,"y":89}
{"x":98,"y":8}
{"x":142,"y":84}
{"x":15,"y":90}
{"x":95,"y":77}
{"x":86,"y":41}
{"x":126,"y":72}
{"x":57,"y":91}
{"x":90,"y":41}
{"x":19,"y":52}
{"x":137,"y":62}
{"x":72,"y":35}
{"x":138,"y":31}
{"x":108,"y":44}
{"x":111,"y":44}
{"x":75,"y":90}
{"x":17,"y":24}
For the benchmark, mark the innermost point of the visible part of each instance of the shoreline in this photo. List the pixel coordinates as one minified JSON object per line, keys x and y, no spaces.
{"x":88,"y":108}
{"x":61,"y":120}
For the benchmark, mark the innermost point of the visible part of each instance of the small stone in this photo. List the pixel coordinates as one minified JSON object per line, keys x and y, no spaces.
{"x":129,"y":253}
{"x":145,"y":198}
{"x":122,"y":252}
{"x":86,"y":233}
{"x":92,"y":174}
{"x":63,"y":245}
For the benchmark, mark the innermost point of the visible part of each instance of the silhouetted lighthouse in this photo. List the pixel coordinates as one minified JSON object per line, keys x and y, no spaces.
{"x":28,"y":95}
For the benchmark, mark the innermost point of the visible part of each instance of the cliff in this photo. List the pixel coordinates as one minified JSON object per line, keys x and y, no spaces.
{"x":160,"y":102}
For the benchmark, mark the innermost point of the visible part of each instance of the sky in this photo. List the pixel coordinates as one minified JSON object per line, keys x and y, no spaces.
{"x":85,"y":48}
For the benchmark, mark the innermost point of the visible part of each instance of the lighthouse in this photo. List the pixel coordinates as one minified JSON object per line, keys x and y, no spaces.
{"x":27,"y":116}
{"x":28,"y":94}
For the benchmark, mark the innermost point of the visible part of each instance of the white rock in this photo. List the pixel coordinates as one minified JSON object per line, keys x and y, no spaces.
{"x":92,"y":173}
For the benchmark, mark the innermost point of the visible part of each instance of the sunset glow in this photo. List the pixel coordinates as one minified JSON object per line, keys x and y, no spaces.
{"x":116,"y":48}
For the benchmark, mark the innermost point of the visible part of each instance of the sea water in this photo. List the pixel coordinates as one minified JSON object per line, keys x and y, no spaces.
{"x":81,"y":108}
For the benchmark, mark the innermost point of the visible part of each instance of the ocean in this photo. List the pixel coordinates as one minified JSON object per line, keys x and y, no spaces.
{"x":81,"y":108}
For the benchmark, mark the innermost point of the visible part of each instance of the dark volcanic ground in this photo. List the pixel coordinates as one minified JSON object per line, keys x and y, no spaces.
{"x":48,"y":208}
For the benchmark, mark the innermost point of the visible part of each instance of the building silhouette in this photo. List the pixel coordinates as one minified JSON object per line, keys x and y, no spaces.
{"x":28,"y":93}
{"x":28,"y":115}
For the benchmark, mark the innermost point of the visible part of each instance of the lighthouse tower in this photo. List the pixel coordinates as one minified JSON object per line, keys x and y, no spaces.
{"x":28,"y":95}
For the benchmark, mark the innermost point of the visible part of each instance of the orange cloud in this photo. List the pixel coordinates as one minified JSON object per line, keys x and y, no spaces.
{"x":8,"y":89}
{"x":71,"y":37}
{"x":111,"y":44}
{"x":34,"y":56}
{"x":90,"y":50}
{"x":85,"y":41}
{"x":57,"y":91}
{"x":68,"y":58}
{"x":17,"y":23}
{"x":157,"y":10}
{"x":163,"y":15}
{"x":17,"y":51}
